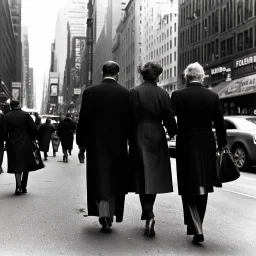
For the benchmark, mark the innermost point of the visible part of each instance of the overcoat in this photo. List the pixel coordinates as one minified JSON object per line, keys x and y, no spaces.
{"x":44,"y":136}
{"x":3,"y":133}
{"x":197,"y":108}
{"x":21,"y":130}
{"x":148,"y":150}
{"x":66,"y":131}
{"x":103,"y":129}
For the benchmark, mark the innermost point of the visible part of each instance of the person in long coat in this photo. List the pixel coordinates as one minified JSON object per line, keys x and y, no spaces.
{"x":3,"y":135}
{"x":44,"y":136}
{"x":103,"y":130}
{"x":149,"y":153}
{"x":196,"y":108}
{"x":21,"y":131}
{"x":65,"y":131}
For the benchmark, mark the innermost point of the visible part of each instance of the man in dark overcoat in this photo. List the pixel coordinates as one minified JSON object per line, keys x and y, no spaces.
{"x":21,"y":131}
{"x":2,"y":139}
{"x":196,"y":108}
{"x":103,"y":129}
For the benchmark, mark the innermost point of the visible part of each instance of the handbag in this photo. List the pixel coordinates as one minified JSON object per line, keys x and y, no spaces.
{"x":226,"y":170}
{"x":37,"y":162}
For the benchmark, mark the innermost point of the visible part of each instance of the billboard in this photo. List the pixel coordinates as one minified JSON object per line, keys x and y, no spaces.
{"x":54,"y":90}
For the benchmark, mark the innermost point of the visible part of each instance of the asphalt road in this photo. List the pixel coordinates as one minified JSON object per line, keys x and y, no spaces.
{"x":50,"y":219}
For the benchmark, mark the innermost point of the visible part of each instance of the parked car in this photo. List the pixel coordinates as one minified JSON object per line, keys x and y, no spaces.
{"x":241,"y":138}
{"x":53,"y":122}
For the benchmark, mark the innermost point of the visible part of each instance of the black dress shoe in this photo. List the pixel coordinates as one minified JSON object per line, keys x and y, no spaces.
{"x":106,"y":224}
{"x":149,"y":229}
{"x":24,"y":190}
{"x":198,"y":239}
{"x":18,"y":191}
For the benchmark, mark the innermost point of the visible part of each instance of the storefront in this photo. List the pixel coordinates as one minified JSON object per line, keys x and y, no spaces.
{"x":238,"y":96}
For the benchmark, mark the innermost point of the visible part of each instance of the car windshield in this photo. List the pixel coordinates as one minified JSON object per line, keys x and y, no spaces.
{"x":246,"y":124}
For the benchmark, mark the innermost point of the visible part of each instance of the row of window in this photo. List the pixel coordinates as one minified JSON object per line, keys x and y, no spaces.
{"x":167,"y":73}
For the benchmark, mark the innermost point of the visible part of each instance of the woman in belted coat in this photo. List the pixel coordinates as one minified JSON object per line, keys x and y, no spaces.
{"x":196,"y":108}
{"x":21,"y":130}
{"x":44,"y":136}
{"x":151,"y":110}
{"x":65,"y":131}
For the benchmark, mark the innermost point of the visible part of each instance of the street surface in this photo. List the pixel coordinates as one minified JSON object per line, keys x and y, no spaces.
{"x":49,"y":220}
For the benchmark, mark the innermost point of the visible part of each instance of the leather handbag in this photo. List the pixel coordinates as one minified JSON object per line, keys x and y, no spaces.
{"x":226,"y":170}
{"x":37,"y":162}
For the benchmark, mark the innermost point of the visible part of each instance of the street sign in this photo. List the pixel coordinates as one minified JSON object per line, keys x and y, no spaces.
{"x":77,"y":91}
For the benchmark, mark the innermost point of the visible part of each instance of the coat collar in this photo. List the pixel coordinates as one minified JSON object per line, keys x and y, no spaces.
{"x":16,"y":108}
{"x":108,"y":79}
{"x":150,"y":82}
{"x":194,"y":84}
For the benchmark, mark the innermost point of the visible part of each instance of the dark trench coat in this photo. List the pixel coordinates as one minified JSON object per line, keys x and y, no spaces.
{"x":66,"y":131}
{"x":149,"y":155}
{"x":103,"y":129}
{"x":21,"y":130}
{"x":44,"y":136}
{"x":196,"y":108}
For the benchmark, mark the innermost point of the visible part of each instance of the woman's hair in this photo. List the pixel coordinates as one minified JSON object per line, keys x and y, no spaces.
{"x":194,"y":71}
{"x":151,"y":71}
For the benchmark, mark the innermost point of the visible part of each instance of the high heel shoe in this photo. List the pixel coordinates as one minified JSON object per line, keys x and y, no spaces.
{"x":18,"y":191}
{"x":149,"y":229}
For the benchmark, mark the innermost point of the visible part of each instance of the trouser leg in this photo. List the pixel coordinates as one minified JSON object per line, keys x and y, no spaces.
{"x":45,"y":155}
{"x":18,"y":179}
{"x":106,"y":206}
{"x":24,"y":180}
{"x":147,"y":203}
{"x":65,"y":152}
{"x":194,"y":210}
{"x":1,"y":156}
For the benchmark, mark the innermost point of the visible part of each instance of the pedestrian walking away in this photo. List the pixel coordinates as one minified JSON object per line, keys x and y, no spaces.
{"x":45,"y":132}
{"x":66,"y":131}
{"x":149,"y":155}
{"x":3,"y":135}
{"x":21,"y":130}
{"x":196,"y":108}
{"x":37,"y":119}
{"x":103,"y":130}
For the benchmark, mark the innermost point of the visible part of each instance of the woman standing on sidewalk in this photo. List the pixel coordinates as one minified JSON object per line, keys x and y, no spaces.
{"x":44,"y":136}
{"x":151,"y":106}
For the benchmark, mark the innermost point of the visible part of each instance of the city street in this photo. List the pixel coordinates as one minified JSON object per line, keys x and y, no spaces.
{"x":51,"y":218}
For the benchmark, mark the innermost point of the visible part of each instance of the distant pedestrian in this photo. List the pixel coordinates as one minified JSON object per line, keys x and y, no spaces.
{"x":45,"y":132}
{"x":21,"y":131}
{"x":65,"y":131}
{"x":196,"y":108}
{"x":37,"y":119}
{"x":148,"y":147}
{"x":103,"y":130}
{"x":3,"y":135}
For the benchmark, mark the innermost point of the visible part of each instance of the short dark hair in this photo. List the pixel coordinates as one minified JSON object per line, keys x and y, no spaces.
{"x":151,"y":71}
{"x":110,"y":68}
{"x":14,"y":104}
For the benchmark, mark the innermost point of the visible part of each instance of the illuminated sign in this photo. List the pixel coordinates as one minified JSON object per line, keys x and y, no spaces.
{"x":249,"y":59}
{"x":54,"y":90}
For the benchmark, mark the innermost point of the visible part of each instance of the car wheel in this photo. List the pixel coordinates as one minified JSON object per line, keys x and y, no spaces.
{"x":241,"y":157}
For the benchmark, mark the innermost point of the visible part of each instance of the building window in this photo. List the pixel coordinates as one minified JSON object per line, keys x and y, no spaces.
{"x":175,"y":27}
{"x":170,"y":72}
{"x":175,"y":56}
{"x":223,"y":49}
{"x":175,"y":71}
{"x":170,"y":58}
{"x":240,"y":42}
{"x":217,"y":49}
{"x":248,"y":39}
{"x":239,"y":12}
{"x":170,"y":44}
{"x":248,"y":9}
{"x":175,"y":41}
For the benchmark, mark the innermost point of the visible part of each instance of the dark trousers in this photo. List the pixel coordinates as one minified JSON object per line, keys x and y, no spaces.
{"x":147,"y":203}
{"x":194,"y":208}
{"x":106,"y":206}
{"x":1,"y":156}
{"x":21,"y":179}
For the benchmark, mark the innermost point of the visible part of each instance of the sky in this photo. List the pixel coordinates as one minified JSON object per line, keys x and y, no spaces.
{"x":40,"y":17}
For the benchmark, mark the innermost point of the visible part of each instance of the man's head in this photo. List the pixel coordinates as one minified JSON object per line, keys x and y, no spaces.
{"x":36,"y":114}
{"x":194,"y":72}
{"x":151,"y":71}
{"x":14,"y":104}
{"x":110,"y":69}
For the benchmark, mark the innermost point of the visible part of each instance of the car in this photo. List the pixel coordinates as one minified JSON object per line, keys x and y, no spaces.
{"x":53,"y":122}
{"x":241,"y":140}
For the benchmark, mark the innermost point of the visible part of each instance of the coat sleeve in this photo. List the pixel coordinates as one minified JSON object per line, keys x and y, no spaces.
{"x":133,"y":116}
{"x":219,"y":124}
{"x":169,"y":121}
{"x":32,"y":127}
{"x":81,"y":131}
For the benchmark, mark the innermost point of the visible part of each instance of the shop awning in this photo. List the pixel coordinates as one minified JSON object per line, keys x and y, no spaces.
{"x":238,"y":87}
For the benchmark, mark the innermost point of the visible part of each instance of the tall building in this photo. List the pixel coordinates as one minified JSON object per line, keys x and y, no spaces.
{"x":30,"y":89}
{"x":127,"y":44}
{"x":25,"y":58}
{"x":7,"y":51}
{"x":221,"y":35}
{"x":160,"y":41}
{"x":102,"y":49}
{"x":15,"y":7}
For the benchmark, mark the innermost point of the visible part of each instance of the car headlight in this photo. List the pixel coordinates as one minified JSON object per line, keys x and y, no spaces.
{"x":254,"y":138}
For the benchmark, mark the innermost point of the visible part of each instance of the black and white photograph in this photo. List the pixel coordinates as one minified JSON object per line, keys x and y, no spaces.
{"x":127,"y":127}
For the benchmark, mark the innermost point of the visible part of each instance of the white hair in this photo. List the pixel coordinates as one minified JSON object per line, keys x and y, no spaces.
{"x":194,"y":71}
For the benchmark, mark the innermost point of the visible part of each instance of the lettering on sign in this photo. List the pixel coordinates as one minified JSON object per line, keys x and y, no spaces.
{"x":245,"y":61}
